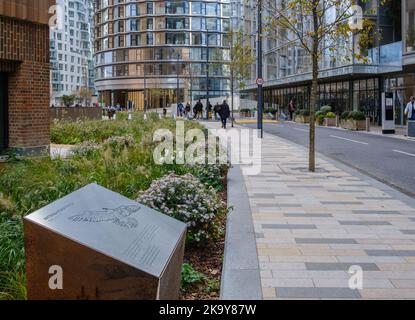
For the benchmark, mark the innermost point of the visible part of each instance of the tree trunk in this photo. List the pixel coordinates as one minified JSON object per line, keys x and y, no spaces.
{"x":232,"y":98}
{"x":314,"y":92}
{"x":313,"y":102}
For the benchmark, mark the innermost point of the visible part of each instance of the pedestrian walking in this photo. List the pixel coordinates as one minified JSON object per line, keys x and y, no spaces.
{"x":224,"y":113}
{"x":291,"y":108}
{"x":208,"y":109}
{"x":187,"y":110}
{"x":180,"y":109}
{"x":216,"y":110}
{"x":198,"y":110}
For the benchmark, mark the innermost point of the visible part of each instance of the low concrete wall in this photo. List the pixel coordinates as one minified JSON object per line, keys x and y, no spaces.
{"x":75,"y":114}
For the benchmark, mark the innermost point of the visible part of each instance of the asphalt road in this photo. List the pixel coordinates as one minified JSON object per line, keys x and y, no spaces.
{"x":387,"y":159}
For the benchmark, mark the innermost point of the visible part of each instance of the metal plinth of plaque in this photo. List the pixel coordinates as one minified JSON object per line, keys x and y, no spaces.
{"x":106,"y":246}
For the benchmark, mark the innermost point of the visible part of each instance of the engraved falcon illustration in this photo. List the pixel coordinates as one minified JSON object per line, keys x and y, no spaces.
{"x":120,"y":216}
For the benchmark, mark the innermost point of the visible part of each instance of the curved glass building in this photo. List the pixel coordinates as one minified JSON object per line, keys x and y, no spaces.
{"x":149,"y":54}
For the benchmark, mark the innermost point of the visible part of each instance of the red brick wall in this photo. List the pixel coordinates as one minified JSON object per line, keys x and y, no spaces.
{"x":24,"y":54}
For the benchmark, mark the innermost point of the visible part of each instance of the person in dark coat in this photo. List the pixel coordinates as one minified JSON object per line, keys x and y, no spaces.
{"x":208,"y":109}
{"x":224,"y":113}
{"x":198,"y":110}
{"x":216,"y":111}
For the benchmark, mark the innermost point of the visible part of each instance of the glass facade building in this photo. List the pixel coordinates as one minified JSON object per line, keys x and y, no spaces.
{"x":346,"y":82}
{"x":149,"y":54}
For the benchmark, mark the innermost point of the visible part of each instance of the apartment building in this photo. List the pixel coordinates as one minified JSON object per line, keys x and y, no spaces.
{"x":149,"y":54}
{"x":71,"y":49}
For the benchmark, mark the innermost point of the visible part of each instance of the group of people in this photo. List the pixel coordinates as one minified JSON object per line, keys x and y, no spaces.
{"x":221,"y":111}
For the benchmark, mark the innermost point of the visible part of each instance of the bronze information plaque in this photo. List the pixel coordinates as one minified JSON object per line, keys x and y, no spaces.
{"x":97,"y":244}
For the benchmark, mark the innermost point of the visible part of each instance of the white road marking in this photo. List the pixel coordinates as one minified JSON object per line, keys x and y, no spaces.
{"x":301,"y":129}
{"x":337,"y":137}
{"x":403,"y":152}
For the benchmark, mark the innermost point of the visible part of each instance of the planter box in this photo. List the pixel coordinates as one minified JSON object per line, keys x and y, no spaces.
{"x":302,"y":119}
{"x":330,"y":122}
{"x":353,"y":124}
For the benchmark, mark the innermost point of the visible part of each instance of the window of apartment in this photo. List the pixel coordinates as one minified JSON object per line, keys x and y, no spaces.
{"x":409,"y":25}
{"x":198,"y":8}
{"x":177,"y":7}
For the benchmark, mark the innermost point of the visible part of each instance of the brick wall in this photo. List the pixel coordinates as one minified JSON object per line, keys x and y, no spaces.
{"x":24,"y":55}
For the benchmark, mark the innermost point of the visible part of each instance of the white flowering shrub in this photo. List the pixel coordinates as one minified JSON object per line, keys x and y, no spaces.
{"x":86,"y":149}
{"x":187,"y":199}
{"x":210,"y":174}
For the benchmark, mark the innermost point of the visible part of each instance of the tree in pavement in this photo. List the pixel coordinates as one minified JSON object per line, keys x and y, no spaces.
{"x":240,"y":61}
{"x":320,"y":29}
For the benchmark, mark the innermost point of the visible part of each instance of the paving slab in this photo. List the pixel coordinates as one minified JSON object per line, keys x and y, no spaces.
{"x":311,"y":230}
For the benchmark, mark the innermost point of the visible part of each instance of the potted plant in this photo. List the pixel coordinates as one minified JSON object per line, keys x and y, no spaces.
{"x":302,"y":116}
{"x":270,"y":113}
{"x":330,"y":119}
{"x":321,"y":115}
{"x":320,"y":118}
{"x":354,"y":120}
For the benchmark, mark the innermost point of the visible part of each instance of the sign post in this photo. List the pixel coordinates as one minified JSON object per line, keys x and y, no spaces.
{"x":260,"y":81}
{"x":388,"y":113}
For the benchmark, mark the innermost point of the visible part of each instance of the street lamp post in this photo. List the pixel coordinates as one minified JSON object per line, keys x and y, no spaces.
{"x":259,"y":77}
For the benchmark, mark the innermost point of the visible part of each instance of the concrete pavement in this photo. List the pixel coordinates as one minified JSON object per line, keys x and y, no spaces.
{"x":385,"y":158}
{"x":310,"y":228}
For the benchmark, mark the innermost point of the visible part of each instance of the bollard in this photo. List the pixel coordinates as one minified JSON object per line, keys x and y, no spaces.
{"x":411,"y":128}
{"x":367,"y":124}
{"x":337,"y":121}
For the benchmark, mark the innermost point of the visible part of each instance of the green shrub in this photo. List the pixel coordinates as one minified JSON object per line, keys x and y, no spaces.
{"x":119,"y":144}
{"x":357,"y":115}
{"x":29,"y":184}
{"x":345,"y":115}
{"x":305,"y":113}
{"x":325,"y":109}
{"x":185,"y":198}
{"x":320,"y":117}
{"x":330,"y":115}
{"x":190,"y":276}
{"x":12,"y":258}
{"x":210,"y":174}
{"x":302,"y":112}
{"x":86,"y":149}
{"x":245,"y":110}
{"x":270,"y":110}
